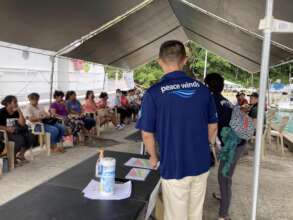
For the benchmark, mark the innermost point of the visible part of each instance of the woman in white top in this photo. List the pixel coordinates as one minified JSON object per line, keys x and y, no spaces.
{"x":36,"y":113}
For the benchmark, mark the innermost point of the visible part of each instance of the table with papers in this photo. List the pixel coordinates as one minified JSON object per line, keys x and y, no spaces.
{"x":62,"y":197}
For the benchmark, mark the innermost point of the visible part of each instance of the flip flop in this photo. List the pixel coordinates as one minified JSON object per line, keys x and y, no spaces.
{"x":22,"y":160}
{"x":17,"y":163}
{"x":215,"y":196}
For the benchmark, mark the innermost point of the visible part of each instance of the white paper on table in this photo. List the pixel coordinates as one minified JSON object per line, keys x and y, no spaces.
{"x":121,"y":191}
{"x":140,"y":163}
{"x":137,"y":174}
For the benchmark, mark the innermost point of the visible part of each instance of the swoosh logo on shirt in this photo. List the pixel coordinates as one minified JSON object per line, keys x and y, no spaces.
{"x":184,"y":93}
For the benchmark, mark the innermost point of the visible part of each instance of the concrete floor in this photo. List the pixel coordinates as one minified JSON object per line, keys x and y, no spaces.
{"x":276,"y":183}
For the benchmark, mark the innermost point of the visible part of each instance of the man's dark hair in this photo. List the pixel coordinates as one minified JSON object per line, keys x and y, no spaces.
{"x":215,"y":82}
{"x":58,"y":94}
{"x":172,"y":51}
{"x":8,"y":99}
{"x":34,"y":96}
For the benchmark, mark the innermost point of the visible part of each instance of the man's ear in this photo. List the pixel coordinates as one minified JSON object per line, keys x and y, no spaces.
{"x":161,"y":62}
{"x":184,"y":61}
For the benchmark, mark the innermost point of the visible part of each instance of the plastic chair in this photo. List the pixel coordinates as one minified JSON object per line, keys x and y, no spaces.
{"x":98,"y":122}
{"x":8,"y":150}
{"x":279,"y":133}
{"x":44,"y":137}
{"x":269,"y":118}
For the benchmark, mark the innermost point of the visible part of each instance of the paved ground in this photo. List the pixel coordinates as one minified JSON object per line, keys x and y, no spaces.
{"x":275,"y":198}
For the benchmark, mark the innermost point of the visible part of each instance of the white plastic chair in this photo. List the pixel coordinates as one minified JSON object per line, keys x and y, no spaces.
{"x":279,"y":133}
{"x":8,"y":150}
{"x":44,"y":137}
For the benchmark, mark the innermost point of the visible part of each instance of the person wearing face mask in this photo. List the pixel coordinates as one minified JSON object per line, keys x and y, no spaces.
{"x":14,"y":123}
{"x":120,"y":108}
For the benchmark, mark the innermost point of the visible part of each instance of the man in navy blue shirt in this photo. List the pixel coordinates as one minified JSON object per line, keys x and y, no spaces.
{"x":180,"y":112}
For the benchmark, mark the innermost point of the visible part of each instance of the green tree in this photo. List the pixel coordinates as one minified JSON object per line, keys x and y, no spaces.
{"x":111,"y":72}
{"x":150,"y":73}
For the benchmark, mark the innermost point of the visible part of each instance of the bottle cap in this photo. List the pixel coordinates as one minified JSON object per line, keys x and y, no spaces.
{"x":101,"y":153}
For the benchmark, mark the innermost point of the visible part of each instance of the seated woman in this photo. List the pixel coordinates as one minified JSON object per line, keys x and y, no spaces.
{"x":105,"y":113}
{"x":36,"y":113}
{"x":58,"y":108}
{"x":76,"y":112}
{"x":121,"y":109}
{"x":13,"y":122}
{"x":133,"y":103}
{"x":126,"y":106}
{"x":89,"y":105}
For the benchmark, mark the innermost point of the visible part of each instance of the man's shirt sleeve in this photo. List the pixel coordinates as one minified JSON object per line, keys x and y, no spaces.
{"x":147,"y":115}
{"x":212,"y":111}
{"x":253,"y":113}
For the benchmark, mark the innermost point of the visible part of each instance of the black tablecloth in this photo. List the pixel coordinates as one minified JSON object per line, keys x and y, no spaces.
{"x":136,"y":136}
{"x":61,"y":197}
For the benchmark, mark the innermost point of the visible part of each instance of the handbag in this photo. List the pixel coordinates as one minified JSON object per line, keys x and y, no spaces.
{"x":21,"y":129}
{"x":241,"y":124}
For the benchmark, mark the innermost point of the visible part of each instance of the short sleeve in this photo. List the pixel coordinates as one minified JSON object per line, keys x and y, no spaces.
{"x":212,"y":111}
{"x":253,"y":113}
{"x":147,"y":115}
{"x":28,"y":112}
{"x":53,"y":105}
{"x":68,"y":105}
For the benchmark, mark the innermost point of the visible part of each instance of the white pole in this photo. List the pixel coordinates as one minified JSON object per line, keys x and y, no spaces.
{"x":52,"y":78}
{"x":261,"y":104}
{"x":104,"y":81}
{"x":205,"y":65}
{"x":289,"y":73}
{"x":269,"y":95}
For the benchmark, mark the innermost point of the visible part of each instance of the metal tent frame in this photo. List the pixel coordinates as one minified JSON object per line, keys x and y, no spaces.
{"x":128,"y":27}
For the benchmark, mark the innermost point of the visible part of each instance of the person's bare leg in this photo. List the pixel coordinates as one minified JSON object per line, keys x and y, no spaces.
{"x":21,"y":153}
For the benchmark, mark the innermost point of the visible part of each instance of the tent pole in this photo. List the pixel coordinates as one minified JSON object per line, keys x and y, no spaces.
{"x":205,"y":65}
{"x":261,"y":103}
{"x":104,"y":81}
{"x":269,"y":95}
{"x":289,"y":73}
{"x":52,"y":78}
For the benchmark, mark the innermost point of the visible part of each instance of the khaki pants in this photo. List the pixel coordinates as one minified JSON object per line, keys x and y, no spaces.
{"x":183,"y":199}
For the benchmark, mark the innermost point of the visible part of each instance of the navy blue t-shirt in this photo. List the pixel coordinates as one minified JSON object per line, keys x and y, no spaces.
{"x":178,"y":110}
{"x":224,"y":110}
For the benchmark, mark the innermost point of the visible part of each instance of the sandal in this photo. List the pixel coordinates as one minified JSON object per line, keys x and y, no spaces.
{"x":215,"y":196}
{"x":17,"y":163}
{"x":22,"y":160}
{"x":61,"y":149}
{"x":55,"y":150}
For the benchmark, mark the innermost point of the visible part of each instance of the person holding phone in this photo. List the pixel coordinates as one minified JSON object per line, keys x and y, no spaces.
{"x":13,"y":122}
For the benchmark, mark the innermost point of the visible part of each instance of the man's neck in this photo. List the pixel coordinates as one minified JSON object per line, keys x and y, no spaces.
{"x":171,"y":69}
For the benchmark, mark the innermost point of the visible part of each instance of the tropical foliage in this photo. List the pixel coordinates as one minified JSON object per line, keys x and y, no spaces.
{"x":150,"y":73}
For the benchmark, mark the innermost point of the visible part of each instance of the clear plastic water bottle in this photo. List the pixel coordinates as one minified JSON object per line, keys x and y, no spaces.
{"x":107,"y":182}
